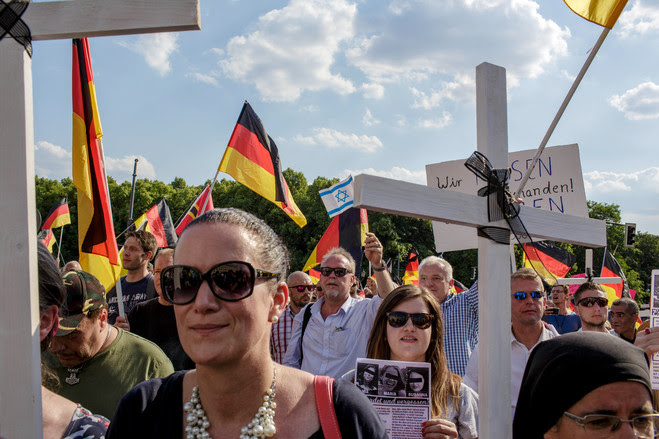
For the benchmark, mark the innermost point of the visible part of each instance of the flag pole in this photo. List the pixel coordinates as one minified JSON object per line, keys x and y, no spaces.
{"x":564,"y":105}
{"x":59,"y":246}
{"x":210,"y":191}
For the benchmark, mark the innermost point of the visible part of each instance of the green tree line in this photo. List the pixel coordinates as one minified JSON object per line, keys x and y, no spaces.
{"x":398,"y":234}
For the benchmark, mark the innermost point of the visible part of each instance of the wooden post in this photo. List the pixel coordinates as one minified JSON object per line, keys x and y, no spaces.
{"x":495,"y":419}
{"x":20,"y":377}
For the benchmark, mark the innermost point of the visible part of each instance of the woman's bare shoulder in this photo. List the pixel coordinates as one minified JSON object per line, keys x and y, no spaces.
{"x":295,"y":400}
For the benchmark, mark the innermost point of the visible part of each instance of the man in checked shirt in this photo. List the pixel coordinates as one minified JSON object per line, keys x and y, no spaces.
{"x":460,"y":312}
{"x":300,"y":289}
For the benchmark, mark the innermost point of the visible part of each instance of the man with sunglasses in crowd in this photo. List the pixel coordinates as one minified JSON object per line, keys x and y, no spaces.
{"x":527,"y":306}
{"x":300,"y":292}
{"x":329,"y":337}
{"x":592,"y":305}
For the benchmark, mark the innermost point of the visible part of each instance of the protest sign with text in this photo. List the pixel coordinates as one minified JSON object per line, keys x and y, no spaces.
{"x":556,"y":184}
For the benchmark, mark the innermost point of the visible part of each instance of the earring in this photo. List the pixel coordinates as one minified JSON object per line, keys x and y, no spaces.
{"x":275,"y":319}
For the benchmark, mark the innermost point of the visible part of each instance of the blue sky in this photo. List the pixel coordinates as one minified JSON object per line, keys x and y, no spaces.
{"x":378,"y":87}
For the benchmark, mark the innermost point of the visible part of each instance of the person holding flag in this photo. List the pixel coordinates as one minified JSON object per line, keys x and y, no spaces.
{"x":137,"y":286}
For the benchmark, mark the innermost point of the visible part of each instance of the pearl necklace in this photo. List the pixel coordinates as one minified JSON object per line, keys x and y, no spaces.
{"x":262,"y":426}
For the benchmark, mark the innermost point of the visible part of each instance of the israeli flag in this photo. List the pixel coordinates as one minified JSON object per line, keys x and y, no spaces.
{"x":338,"y":198}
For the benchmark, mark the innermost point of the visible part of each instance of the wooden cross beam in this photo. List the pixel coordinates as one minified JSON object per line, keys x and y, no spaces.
{"x":494,"y":268}
{"x":589,"y":274}
{"x":20,"y":376}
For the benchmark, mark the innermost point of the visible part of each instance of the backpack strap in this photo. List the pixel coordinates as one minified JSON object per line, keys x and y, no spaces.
{"x":305,"y":322}
{"x":325,"y":407}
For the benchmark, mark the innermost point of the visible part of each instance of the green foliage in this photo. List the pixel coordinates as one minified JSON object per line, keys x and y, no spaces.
{"x":398,"y":234}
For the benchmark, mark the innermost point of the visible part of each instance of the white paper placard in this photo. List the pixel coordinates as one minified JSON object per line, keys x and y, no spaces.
{"x":556,"y":184}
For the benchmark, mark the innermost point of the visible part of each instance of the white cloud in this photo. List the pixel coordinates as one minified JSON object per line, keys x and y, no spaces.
{"x":444,"y":120}
{"x":336,"y":139}
{"x":373,"y":91}
{"x":156,"y":49}
{"x":368,"y":119}
{"x":396,"y":173}
{"x":292,"y":50}
{"x":640,"y":19}
{"x":203,"y":78}
{"x":53,"y":161}
{"x":122,"y":169}
{"x":420,"y":38}
{"x":638,"y":103}
{"x":459,"y":90}
{"x":607,"y":182}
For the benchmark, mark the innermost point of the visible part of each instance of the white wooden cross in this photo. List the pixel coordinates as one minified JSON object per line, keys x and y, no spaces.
{"x":401,"y":198}
{"x":589,"y":274}
{"x":20,"y":378}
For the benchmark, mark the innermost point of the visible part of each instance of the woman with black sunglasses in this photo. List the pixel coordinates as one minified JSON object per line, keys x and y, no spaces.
{"x":228,"y":286}
{"x":408,"y":327}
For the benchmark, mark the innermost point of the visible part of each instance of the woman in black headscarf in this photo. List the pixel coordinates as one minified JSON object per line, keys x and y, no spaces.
{"x":585,"y":385}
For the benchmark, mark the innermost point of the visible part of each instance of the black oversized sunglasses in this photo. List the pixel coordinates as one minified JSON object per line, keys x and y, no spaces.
{"x":339,"y":272}
{"x":398,"y":319}
{"x":230,"y":281}
{"x":589,"y":302}
{"x":301,"y":288}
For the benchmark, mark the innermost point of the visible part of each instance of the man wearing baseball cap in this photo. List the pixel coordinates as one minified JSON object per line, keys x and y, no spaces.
{"x":96,"y":362}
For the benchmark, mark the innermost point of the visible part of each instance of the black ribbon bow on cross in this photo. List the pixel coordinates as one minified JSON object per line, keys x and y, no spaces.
{"x":12,"y":24}
{"x":499,"y":198}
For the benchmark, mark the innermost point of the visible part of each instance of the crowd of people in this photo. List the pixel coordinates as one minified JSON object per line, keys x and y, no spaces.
{"x":221,"y":341}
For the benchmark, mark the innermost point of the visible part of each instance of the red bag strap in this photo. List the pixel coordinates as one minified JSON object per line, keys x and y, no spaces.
{"x":325,"y":406}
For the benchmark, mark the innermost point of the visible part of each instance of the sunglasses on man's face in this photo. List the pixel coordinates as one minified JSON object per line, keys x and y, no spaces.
{"x":521,"y":295}
{"x":338,"y":272}
{"x":589,"y":302}
{"x":229,"y":281}
{"x":398,"y":319}
{"x":301,"y":288}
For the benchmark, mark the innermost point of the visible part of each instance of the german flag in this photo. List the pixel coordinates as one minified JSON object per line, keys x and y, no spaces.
{"x":96,"y":238}
{"x":197,"y":209}
{"x":314,"y":275}
{"x":347,"y":230}
{"x":411,"y":276}
{"x":549,"y":261}
{"x":252,"y":159}
{"x":158,"y":222}
{"x":602,"y":12}
{"x":47,"y":238}
{"x":58,"y":216}
{"x":611,"y":268}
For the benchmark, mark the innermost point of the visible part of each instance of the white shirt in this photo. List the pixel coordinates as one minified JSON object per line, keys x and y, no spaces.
{"x":331,"y":346}
{"x":519,"y":355}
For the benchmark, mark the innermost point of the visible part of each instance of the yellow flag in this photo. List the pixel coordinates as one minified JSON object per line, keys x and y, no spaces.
{"x":603,"y":12}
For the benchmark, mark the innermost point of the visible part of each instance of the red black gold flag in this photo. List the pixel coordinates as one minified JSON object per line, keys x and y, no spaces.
{"x":58,"y":216}
{"x":347,"y":230}
{"x":47,"y":238}
{"x":197,"y":209}
{"x":158,"y":222}
{"x":611,"y":268}
{"x":252,"y":159}
{"x":411,"y":276}
{"x":549,"y":261}
{"x":96,"y":238}
{"x":314,"y":275}
{"x":603,"y":12}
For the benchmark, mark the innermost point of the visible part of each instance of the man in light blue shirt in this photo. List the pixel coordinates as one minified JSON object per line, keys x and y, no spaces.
{"x":339,"y":325}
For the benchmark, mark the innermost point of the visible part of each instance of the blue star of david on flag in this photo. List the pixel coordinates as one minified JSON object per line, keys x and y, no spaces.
{"x":338,"y":198}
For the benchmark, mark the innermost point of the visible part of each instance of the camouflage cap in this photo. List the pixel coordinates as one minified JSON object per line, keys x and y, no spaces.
{"x":84,"y":294}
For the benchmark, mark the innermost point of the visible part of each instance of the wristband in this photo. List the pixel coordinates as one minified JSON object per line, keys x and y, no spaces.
{"x":384,"y":267}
